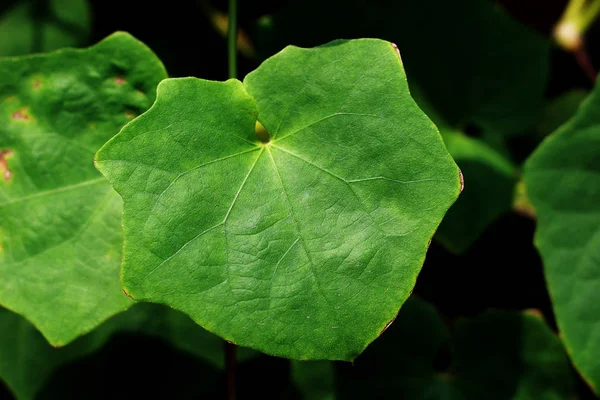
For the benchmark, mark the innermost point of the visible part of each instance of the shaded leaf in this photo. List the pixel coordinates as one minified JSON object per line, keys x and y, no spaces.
{"x":563,"y":183}
{"x":560,"y":110}
{"x":27,"y":361}
{"x":497,"y":355}
{"x":60,"y":235}
{"x":305,"y":246}
{"x":30,"y":26}
{"x":489,"y":183}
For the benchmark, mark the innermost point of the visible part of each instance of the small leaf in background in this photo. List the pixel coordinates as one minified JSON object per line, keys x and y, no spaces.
{"x":562,"y":178}
{"x":474,"y":71}
{"x":305,"y":246}
{"x":497,"y":355}
{"x":31,"y":26}
{"x":27,"y":361}
{"x":60,"y":233}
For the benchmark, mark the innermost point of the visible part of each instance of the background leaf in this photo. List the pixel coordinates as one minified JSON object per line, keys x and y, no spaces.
{"x":563,"y":183}
{"x":497,"y":355}
{"x":27,"y":361}
{"x":277,"y":246}
{"x":60,"y":236}
{"x":36,"y":26}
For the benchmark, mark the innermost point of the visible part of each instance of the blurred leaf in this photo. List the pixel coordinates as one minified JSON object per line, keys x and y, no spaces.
{"x":563,"y":183}
{"x":60,"y":234}
{"x":560,"y":110}
{"x":35,"y":26}
{"x":314,"y":379}
{"x":474,"y":63}
{"x":317,"y":237}
{"x":497,"y":355}
{"x":27,"y":361}
{"x":489,"y":183}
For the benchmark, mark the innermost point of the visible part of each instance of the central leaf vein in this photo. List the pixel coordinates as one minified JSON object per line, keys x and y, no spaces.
{"x":297,"y":226}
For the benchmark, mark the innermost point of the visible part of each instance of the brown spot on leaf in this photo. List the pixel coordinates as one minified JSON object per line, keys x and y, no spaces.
{"x":127,"y":294}
{"x":119,"y":80}
{"x":387,"y":325}
{"x":21,"y":115}
{"x":397,"y":51}
{"x":6,"y":172}
{"x":535,"y":313}
{"x":462,"y":180}
{"x":129,"y":115}
{"x":37,"y":84}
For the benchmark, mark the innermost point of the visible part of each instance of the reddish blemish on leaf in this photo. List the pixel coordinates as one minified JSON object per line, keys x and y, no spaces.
{"x":119,"y":81}
{"x":397,"y":51}
{"x":6,"y":172}
{"x":127,"y":294}
{"x":21,"y":115}
{"x":387,"y":325}
{"x":37,"y":84}
{"x":129,"y":115}
{"x":535,"y":313}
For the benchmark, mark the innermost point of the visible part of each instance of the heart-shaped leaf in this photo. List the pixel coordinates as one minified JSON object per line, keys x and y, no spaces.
{"x":60,"y":235}
{"x":34,"y":26}
{"x":563,"y":184}
{"x":304,"y":246}
{"x":478,"y":70}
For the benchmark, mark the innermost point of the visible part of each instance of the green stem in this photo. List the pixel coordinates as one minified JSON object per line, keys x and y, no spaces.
{"x":232,"y":38}
{"x":589,"y":14}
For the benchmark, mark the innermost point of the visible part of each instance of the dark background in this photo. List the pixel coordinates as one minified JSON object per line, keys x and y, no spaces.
{"x":502,"y":270}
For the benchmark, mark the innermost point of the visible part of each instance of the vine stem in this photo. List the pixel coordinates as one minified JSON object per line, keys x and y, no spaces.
{"x":570,"y":29}
{"x":230,"y":348}
{"x":232,"y":38}
{"x":230,"y":361}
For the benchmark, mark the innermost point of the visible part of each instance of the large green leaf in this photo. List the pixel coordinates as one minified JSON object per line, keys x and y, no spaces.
{"x":27,"y":361}
{"x":60,"y":235}
{"x":305,"y":246}
{"x":34,"y":26}
{"x":563,"y":183}
{"x":497,"y":355}
{"x":477,"y":69}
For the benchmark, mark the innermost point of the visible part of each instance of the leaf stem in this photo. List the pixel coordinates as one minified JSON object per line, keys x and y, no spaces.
{"x":570,"y":29}
{"x":230,"y":361}
{"x":230,"y":348}
{"x":232,"y":38}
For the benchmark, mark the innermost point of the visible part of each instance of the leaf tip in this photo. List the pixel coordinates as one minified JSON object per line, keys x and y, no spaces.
{"x":397,"y":50}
